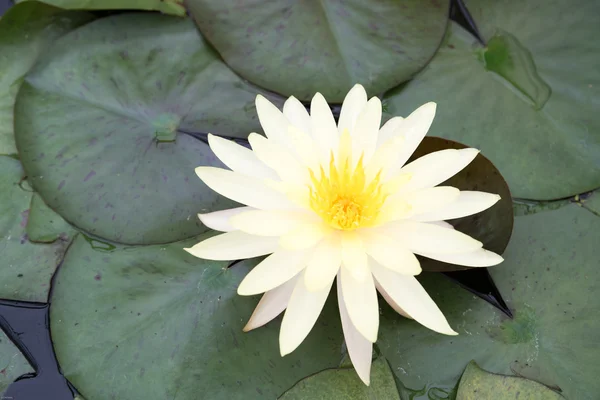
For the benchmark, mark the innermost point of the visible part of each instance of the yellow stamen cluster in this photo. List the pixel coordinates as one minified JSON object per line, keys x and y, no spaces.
{"x":343,"y":198}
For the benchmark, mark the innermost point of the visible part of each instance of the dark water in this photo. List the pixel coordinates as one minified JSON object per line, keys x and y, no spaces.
{"x":28,"y":324}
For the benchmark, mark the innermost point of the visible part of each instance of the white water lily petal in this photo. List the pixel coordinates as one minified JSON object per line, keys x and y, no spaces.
{"x":467,"y":203}
{"x":273,"y":271}
{"x":390,"y":301}
{"x":273,"y":122}
{"x":271,"y":304}
{"x":414,"y":128}
{"x":303,"y":236}
{"x":390,"y":253}
{"x":354,"y":103}
{"x":423,"y":237}
{"x":428,"y":200}
{"x":434,"y":168}
{"x":300,"y":316}
{"x":220,"y":220}
{"x":354,"y":257}
{"x":278,"y":158}
{"x":239,"y":158}
{"x":323,"y":264}
{"x":305,"y":148}
{"x":360,"y":298}
{"x":296,"y":114}
{"x":477,"y":258}
{"x":244,"y":189}
{"x":269,"y":222}
{"x":384,"y":157}
{"x":360,"y":349}
{"x":366,"y":129}
{"x":390,"y":130}
{"x":323,"y":129}
{"x":408,"y":293}
{"x":442,"y":224}
{"x":234,"y":245}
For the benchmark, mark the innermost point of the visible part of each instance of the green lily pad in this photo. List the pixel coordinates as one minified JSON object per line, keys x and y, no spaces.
{"x":321,"y":46}
{"x":25,"y":31}
{"x":44,"y":225}
{"x":477,"y":384}
{"x":343,"y":383}
{"x":99,"y":123}
{"x":174,"y":7}
{"x":549,"y":279}
{"x":155,"y":322}
{"x":27,"y":267}
{"x":493,"y":226}
{"x":592,"y":203}
{"x":528,"y":100}
{"x":12,"y":363}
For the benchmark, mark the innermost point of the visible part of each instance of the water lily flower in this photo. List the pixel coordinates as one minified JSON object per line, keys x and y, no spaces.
{"x":337,"y":202}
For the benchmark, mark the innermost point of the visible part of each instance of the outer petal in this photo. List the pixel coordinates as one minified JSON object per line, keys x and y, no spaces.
{"x":278,"y":158}
{"x":269,"y":223}
{"x":273,"y":271}
{"x":239,"y":159}
{"x":430,"y":199}
{"x":414,"y":128}
{"x":302,"y":312}
{"x":323,"y":264}
{"x":359,"y":348}
{"x":234,"y":245}
{"x":391,"y":254}
{"x":296,"y":114}
{"x":434,"y":168}
{"x":477,"y":258}
{"x":423,"y":237}
{"x":390,"y":301}
{"x":219,"y":220}
{"x":354,"y":256}
{"x":273,"y":122}
{"x":244,"y":189}
{"x":305,"y":148}
{"x":408,"y":293}
{"x":467,"y":203}
{"x":354,"y":102}
{"x":366,"y":129}
{"x":384,"y":157}
{"x":360,"y":298}
{"x":324,"y":130}
{"x":271,"y":304}
{"x":391,"y":129}
{"x":303,"y":236}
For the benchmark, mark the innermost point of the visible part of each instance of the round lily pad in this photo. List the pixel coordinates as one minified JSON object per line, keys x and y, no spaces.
{"x":493,"y":226}
{"x":549,"y":279}
{"x":174,"y":7}
{"x":528,"y":99}
{"x":112,"y":121}
{"x":25,"y":31}
{"x":27,"y":267}
{"x":302,"y":47}
{"x":153,"y":322}
{"x":12,"y":363}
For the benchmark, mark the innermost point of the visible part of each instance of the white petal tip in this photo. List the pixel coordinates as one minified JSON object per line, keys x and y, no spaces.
{"x":284,"y":350}
{"x":245,"y":291}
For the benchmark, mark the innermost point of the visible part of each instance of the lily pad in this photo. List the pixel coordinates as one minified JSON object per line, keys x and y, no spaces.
{"x":592,"y":203}
{"x":549,"y":279}
{"x":528,"y":100}
{"x":299,"y":48}
{"x":343,"y":383}
{"x":174,"y":7}
{"x":477,"y":384}
{"x":493,"y":226}
{"x":27,"y":267}
{"x":99,"y":124}
{"x":12,"y":363}
{"x":25,"y":31}
{"x":44,"y":225}
{"x":155,"y":322}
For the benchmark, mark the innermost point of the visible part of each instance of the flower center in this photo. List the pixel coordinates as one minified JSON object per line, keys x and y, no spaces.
{"x":344,"y":200}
